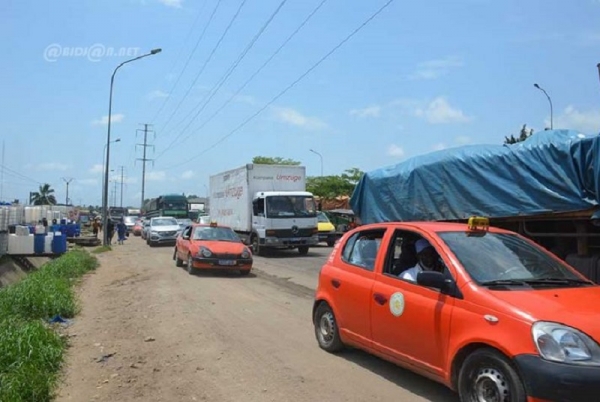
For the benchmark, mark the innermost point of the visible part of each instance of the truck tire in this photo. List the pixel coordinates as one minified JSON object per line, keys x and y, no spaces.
{"x":256,"y":248}
{"x":303,"y":250}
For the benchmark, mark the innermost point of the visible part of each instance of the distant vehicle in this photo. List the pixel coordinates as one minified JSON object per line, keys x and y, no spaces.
{"x":204,"y":219}
{"x":183,"y":223}
{"x":212,"y":246}
{"x":161,"y":230}
{"x":138,"y":227}
{"x":174,"y":205}
{"x":117,"y":212}
{"x":134,"y":212}
{"x":326,"y":229}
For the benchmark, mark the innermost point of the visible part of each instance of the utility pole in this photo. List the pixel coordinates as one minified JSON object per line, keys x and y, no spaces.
{"x":67,"y":181}
{"x":122,"y":167}
{"x":2,"y":175}
{"x":144,"y":159}
{"x":115,"y":195}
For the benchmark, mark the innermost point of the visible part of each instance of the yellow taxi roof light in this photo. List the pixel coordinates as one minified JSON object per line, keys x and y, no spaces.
{"x":478,"y":224}
{"x":213,"y":224}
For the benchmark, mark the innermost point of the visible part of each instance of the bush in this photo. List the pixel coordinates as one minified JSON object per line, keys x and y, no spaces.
{"x":31,"y":352}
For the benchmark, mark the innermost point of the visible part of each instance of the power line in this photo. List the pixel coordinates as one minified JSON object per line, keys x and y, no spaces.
{"x":241,"y":88}
{"x":189,"y":57}
{"x":206,"y":61}
{"x":14,"y":172}
{"x":302,"y":76}
{"x":213,"y":91}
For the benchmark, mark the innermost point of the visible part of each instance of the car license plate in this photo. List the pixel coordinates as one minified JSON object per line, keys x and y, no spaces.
{"x":226,"y":262}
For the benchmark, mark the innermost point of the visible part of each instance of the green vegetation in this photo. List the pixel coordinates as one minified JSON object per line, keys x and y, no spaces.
{"x":31,"y":352}
{"x":101,"y":249}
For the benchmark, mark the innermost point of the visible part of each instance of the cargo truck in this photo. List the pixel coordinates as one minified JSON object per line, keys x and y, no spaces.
{"x":546,"y":188}
{"x":267,"y":205}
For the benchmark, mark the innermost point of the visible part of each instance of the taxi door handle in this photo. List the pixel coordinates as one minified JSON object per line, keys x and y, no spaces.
{"x":336,"y":283}
{"x":379,"y":298}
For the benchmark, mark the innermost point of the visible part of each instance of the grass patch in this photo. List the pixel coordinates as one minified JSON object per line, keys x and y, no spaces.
{"x":31,"y":352}
{"x":101,"y":249}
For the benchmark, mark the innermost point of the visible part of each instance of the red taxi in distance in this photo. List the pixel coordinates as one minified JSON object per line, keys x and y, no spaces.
{"x":212,"y":247}
{"x":485,"y":311}
{"x":137,"y":228}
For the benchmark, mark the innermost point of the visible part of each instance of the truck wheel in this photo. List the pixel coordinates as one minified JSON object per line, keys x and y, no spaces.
{"x":303,"y":250}
{"x":256,"y":248}
{"x":487,"y":375}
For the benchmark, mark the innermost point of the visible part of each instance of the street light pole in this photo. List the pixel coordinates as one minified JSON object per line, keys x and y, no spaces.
{"x":105,"y":190}
{"x":320,"y":156}
{"x":104,"y":165}
{"x":550,"y":101}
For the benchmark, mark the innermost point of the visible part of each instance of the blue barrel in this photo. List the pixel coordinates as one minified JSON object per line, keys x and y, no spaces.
{"x":59,"y":243}
{"x":39,"y":242}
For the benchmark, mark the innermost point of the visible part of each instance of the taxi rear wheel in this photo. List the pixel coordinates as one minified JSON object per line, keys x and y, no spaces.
{"x":487,"y":376}
{"x":178,"y":261}
{"x":326,"y":329}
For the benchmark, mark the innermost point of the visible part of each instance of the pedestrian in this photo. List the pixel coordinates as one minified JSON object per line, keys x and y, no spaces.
{"x":96,"y":227}
{"x":110,"y":230}
{"x":121,"y":230}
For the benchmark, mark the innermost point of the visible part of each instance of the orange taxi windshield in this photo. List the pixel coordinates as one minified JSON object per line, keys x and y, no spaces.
{"x":215,"y":234}
{"x":507,"y":257}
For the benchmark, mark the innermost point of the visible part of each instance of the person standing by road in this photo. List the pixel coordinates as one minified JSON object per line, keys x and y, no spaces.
{"x":121,"y":231}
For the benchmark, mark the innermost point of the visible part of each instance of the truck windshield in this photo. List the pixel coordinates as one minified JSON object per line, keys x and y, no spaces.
{"x":291,"y":206}
{"x":504,"y":257}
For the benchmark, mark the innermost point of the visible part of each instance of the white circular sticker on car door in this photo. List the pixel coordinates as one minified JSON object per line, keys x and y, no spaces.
{"x":397,"y":304}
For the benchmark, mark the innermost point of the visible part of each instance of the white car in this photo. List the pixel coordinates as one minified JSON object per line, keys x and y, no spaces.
{"x":162,"y":230}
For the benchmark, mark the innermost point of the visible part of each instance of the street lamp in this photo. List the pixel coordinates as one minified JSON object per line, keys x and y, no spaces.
{"x":549,"y":100}
{"x":104,"y":165}
{"x":105,"y":189}
{"x":320,"y":156}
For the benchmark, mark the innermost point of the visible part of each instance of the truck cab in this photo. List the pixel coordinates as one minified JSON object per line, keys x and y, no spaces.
{"x":284,"y":219}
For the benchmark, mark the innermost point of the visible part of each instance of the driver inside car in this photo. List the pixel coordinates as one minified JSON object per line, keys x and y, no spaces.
{"x":428,"y":260}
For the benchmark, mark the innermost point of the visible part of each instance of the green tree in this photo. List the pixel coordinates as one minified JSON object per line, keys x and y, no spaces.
{"x":277,"y":160}
{"x":523,"y":135}
{"x":45,"y":196}
{"x":334,"y":186}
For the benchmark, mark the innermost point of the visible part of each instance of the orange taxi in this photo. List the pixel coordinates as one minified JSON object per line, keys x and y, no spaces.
{"x":138,"y":226}
{"x":485,"y":311}
{"x":211,"y":246}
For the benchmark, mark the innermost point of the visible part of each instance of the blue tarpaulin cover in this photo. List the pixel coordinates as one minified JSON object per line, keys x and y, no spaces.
{"x":551,"y":171}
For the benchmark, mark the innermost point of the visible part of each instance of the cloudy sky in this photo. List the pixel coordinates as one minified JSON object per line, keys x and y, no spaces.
{"x":240,"y":78}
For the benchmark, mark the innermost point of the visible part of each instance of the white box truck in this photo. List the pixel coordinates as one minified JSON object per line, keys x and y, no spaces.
{"x":267,"y":205}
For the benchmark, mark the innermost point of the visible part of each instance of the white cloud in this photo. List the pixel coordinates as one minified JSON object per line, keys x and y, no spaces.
{"x":439,"y":146}
{"x":295,"y":118}
{"x":156,"y":94}
{"x":250,"y":100}
{"x":432,"y":69}
{"x":571,"y":118}
{"x":188,"y":174}
{"x":395,"y":150}
{"x":98,"y":168}
{"x":126,"y":180}
{"x":156,"y":176}
{"x":172,"y":3}
{"x":370,"y":111}
{"x":115,"y":118}
{"x":439,"y":111}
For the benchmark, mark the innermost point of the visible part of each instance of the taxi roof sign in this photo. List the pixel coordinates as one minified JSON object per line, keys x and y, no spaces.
{"x":213,"y":224}
{"x":478,"y":224}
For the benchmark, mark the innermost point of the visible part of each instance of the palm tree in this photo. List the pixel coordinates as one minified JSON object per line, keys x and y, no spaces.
{"x":44,"y":196}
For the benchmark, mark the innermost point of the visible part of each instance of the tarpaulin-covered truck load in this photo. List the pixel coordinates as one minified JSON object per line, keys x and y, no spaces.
{"x":546,"y":187}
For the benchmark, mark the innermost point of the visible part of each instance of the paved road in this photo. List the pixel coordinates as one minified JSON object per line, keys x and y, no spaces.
{"x":149,"y":331}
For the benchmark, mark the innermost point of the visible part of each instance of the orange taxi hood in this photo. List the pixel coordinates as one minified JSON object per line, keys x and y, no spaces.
{"x":219,"y":247}
{"x":575,"y":307}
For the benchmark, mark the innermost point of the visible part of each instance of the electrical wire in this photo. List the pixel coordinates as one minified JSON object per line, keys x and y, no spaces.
{"x":241,"y":88}
{"x":206,"y":61}
{"x":224,"y":78}
{"x":302,"y":76}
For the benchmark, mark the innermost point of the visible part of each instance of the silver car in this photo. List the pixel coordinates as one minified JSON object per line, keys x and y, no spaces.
{"x":162,"y":230}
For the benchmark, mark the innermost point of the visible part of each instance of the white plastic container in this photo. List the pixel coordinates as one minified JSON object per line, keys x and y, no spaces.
{"x":20,"y":245}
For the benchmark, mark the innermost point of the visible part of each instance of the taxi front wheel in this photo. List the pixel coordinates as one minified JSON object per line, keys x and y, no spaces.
{"x":487,"y":376}
{"x":326,"y":329}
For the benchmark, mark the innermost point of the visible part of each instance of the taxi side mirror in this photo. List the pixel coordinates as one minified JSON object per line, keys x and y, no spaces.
{"x":437,"y":280}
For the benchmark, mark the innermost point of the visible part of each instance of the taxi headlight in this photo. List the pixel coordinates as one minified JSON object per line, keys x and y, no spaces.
{"x":560,"y":343}
{"x":246,"y":254}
